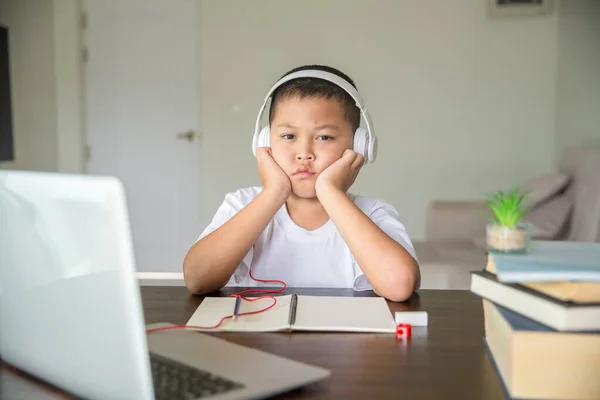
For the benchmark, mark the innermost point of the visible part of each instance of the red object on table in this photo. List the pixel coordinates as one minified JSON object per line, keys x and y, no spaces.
{"x":403,"y":331}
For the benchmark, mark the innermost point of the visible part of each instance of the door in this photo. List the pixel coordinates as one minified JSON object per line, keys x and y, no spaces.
{"x":141,"y":84}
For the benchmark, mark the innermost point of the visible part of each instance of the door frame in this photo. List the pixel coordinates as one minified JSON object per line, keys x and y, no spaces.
{"x":69,"y":68}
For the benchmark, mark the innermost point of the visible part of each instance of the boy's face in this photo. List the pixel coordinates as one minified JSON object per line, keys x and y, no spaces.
{"x":307,"y":136}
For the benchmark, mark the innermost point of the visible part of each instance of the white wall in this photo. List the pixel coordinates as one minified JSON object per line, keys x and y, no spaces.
{"x":45,"y":84}
{"x":461,"y":104}
{"x":578,"y":77}
{"x":457,"y":99}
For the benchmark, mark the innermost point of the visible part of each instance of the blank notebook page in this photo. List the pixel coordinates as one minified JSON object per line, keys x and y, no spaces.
{"x":212,"y":309}
{"x":344,"y":314}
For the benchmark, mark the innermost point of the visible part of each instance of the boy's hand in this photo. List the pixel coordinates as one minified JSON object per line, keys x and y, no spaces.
{"x":341,"y":174}
{"x":271,"y":174}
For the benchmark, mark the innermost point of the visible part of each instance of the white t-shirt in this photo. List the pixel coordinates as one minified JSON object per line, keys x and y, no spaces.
{"x":304,"y":258}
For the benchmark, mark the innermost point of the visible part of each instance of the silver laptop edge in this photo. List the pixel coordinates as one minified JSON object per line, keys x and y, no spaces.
{"x":70,"y":307}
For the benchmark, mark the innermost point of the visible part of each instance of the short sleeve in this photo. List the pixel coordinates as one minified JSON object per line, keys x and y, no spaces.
{"x":387,"y":219}
{"x":232,"y":204}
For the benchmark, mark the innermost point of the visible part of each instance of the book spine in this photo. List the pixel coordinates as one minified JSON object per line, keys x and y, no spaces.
{"x":292,"y":314}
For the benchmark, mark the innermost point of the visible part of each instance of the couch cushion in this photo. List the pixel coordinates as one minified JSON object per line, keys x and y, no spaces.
{"x":447,"y":264}
{"x":543,"y":187}
{"x":549,"y":218}
{"x":583,"y":166}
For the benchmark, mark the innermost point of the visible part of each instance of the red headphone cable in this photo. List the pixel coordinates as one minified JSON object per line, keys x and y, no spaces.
{"x":241,"y":295}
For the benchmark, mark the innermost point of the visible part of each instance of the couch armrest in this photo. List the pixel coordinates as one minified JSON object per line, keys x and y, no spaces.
{"x":456,"y":220}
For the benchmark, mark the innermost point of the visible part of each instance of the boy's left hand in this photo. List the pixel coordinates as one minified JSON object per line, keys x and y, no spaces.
{"x":341,"y":174}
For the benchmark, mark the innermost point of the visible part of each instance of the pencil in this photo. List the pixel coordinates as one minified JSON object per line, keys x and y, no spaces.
{"x":292,"y":315}
{"x":236,"y":308}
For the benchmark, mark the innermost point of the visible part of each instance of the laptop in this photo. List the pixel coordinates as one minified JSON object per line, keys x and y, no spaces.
{"x":71,"y":312}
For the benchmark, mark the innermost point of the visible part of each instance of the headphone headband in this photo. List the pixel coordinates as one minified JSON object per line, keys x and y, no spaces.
{"x":328,"y":76}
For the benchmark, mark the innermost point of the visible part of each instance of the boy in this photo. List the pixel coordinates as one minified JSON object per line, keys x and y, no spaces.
{"x":301,"y":226}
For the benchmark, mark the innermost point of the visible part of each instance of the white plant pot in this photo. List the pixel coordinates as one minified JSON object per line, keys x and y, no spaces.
{"x":503,"y":239}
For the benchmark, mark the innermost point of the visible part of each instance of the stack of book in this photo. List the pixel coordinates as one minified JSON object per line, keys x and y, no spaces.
{"x":542,"y":319}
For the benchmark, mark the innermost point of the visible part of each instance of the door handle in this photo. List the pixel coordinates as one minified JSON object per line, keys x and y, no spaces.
{"x":188,"y":135}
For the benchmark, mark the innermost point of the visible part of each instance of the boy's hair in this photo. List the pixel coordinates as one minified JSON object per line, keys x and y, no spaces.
{"x":315,"y":87}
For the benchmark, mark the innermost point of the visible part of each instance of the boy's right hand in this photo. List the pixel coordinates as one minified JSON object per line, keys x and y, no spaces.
{"x":272,"y":176}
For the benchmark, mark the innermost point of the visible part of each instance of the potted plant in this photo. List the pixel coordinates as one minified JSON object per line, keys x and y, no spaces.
{"x":506,"y":233}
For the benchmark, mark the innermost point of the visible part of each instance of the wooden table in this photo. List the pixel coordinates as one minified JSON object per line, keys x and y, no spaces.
{"x":446,"y":360}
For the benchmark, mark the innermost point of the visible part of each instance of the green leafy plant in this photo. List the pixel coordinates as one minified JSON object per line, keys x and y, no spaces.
{"x":507,"y":208}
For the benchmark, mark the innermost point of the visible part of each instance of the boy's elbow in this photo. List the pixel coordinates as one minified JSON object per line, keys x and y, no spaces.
{"x":398,"y":294}
{"x":191,"y":277}
{"x":401,"y":288}
{"x":193,"y":287}
{"x":197,"y":282}
{"x":191,"y":283}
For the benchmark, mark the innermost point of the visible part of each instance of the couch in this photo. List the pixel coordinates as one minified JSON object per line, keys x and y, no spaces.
{"x":567,"y":207}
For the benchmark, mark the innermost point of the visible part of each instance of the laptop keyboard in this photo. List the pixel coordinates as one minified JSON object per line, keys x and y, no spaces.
{"x":173,"y":380}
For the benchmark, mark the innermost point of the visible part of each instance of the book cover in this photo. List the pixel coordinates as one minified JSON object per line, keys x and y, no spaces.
{"x":534,"y":361}
{"x":581,"y":292}
{"x":550,"y":261}
{"x":547,"y":310}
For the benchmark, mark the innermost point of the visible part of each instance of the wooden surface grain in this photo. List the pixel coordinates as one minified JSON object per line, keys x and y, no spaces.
{"x":445,"y":360}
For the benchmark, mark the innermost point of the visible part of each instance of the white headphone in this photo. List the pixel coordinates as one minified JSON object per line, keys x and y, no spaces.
{"x":365,"y":141}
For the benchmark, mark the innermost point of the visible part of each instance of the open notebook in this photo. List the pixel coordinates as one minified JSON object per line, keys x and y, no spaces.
{"x":299,"y":313}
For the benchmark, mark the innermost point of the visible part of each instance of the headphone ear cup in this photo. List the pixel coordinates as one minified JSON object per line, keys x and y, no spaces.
{"x":361,"y":139}
{"x":373,"y":147}
{"x":262,"y":140}
{"x":265,"y":137}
